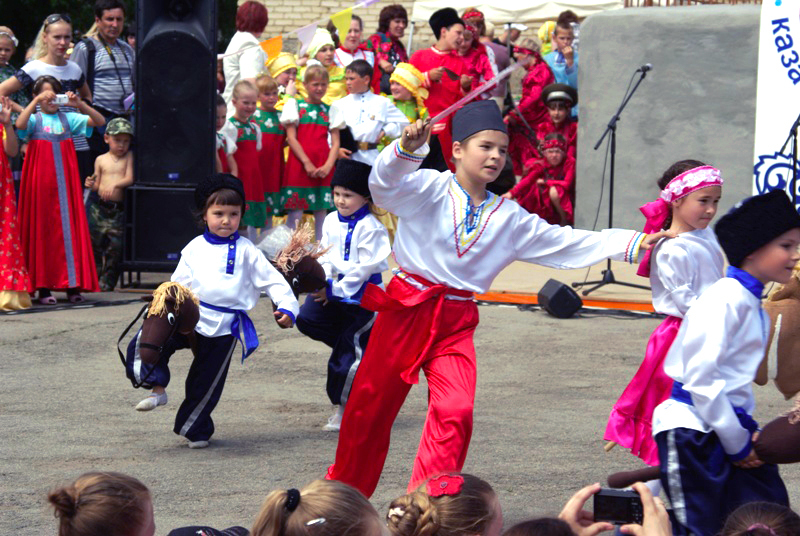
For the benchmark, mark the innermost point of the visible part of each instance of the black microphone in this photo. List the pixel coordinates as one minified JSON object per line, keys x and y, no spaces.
{"x":646,"y":67}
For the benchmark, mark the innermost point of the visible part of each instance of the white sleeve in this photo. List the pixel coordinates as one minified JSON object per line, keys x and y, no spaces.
{"x":266,"y":277}
{"x":709,"y":323}
{"x":324,"y":242}
{"x":251,"y":62}
{"x":230,"y":133}
{"x":337,"y":117}
{"x":676,"y":269}
{"x":373,"y":249}
{"x":396,"y":120}
{"x":259,"y":135}
{"x":397,"y":185}
{"x":290,"y":115}
{"x":183,"y":273}
{"x":370,"y":58}
{"x":538,"y":242}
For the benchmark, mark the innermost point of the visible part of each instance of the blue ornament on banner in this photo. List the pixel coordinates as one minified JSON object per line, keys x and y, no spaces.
{"x":774,"y":172}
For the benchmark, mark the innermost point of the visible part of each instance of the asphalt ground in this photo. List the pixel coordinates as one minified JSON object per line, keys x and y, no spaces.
{"x":545,"y":387}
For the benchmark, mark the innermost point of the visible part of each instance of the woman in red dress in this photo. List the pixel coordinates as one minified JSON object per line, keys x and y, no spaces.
{"x":15,"y":285}
{"x":522,"y":143}
{"x":55,"y":235}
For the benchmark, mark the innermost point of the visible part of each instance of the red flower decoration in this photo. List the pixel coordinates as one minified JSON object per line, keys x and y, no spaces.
{"x":444,"y":485}
{"x":386,"y":47}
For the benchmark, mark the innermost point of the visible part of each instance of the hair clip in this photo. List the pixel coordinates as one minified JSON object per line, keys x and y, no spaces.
{"x":317,"y":521}
{"x":13,"y":39}
{"x":444,"y":485}
{"x":396,"y":511}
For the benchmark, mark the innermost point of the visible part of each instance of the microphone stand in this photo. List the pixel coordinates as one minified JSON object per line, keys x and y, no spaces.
{"x":608,"y":275}
{"x":793,"y":138}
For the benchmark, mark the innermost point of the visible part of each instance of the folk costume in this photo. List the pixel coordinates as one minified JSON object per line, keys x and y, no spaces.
{"x":228,"y":275}
{"x":277,"y":65}
{"x":359,"y":247}
{"x":535,"y":198}
{"x":522,"y":143}
{"x":344,"y":57}
{"x":54,"y":231}
{"x":365,"y":115}
{"x":225,"y":147}
{"x":707,"y":422}
{"x":568,"y":128}
{"x":15,"y":284}
{"x":447,"y":248}
{"x":336,"y":84}
{"x":389,"y":48}
{"x":476,"y":61}
{"x":443,"y":93}
{"x":301,"y":192}
{"x":248,"y":146}
{"x":271,"y":161}
{"x":680,"y":270}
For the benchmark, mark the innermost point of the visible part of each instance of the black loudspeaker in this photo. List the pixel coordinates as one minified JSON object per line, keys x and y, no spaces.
{"x":158,"y":224}
{"x":176,"y":66}
{"x":559,"y":300}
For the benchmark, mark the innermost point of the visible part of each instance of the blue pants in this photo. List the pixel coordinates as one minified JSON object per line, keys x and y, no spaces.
{"x":345,"y":328}
{"x":704,"y":486}
{"x":204,"y":383}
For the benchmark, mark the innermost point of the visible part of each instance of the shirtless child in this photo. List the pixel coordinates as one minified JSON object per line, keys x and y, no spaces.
{"x":113,"y":172}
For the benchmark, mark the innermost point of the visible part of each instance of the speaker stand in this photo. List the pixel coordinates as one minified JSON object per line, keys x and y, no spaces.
{"x":608,"y":279}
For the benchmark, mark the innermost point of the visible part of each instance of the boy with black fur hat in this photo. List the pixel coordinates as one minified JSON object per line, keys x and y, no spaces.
{"x":445,"y":80}
{"x":358,"y":247}
{"x":705,"y":430}
{"x":454,"y":238}
{"x":227,"y":273}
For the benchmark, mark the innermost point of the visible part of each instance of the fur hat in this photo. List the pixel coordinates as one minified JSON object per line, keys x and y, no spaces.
{"x":352,"y":175}
{"x":444,"y":18}
{"x":755,"y":222}
{"x":215,"y":182}
{"x":475,"y":117}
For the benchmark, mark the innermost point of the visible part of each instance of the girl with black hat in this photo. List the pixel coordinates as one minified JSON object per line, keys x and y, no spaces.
{"x":227,"y":273}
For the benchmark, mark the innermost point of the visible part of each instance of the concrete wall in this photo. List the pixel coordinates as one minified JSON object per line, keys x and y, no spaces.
{"x":698,"y":102}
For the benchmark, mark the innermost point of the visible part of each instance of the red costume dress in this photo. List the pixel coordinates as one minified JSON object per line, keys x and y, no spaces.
{"x":248,"y":144}
{"x":443,"y":93}
{"x":15,"y":284}
{"x":522,"y":144}
{"x":302,"y":192}
{"x":222,"y":151}
{"x":568,"y":129}
{"x":536,"y":199}
{"x":55,"y":234}
{"x":273,"y":138}
{"x":478,"y":66}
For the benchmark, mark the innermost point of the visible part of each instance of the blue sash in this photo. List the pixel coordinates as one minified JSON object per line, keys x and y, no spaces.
{"x":682,"y":395}
{"x":241,"y":323}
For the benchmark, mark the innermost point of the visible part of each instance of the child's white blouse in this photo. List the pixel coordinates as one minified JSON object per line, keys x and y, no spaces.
{"x":683,"y":268}
{"x":203,"y":268}
{"x":716,"y":354}
{"x":434,"y":241}
{"x":367,"y":253}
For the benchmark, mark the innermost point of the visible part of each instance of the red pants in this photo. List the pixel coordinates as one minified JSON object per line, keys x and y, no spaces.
{"x":414,"y":330}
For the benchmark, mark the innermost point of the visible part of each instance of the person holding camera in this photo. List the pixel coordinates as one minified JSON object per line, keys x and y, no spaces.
{"x":108,"y":64}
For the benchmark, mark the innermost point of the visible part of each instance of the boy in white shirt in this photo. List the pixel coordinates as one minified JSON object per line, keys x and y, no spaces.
{"x":369,"y":117}
{"x":705,"y":430}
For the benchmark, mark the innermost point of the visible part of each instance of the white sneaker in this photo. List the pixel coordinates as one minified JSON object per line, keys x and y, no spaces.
{"x":335,"y":420}
{"x":152,"y":402}
{"x":198,"y":444}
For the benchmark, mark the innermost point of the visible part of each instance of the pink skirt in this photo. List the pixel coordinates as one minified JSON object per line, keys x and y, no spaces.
{"x":630,"y":423}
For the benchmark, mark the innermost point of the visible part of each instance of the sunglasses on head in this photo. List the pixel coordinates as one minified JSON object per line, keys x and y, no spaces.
{"x":55,"y":17}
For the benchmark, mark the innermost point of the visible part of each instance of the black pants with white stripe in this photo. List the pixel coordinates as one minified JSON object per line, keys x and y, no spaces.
{"x":345,"y":328}
{"x":702,"y":484}
{"x":204,"y":383}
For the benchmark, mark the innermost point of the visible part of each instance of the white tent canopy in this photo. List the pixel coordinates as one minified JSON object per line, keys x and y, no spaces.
{"x":516,"y":10}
